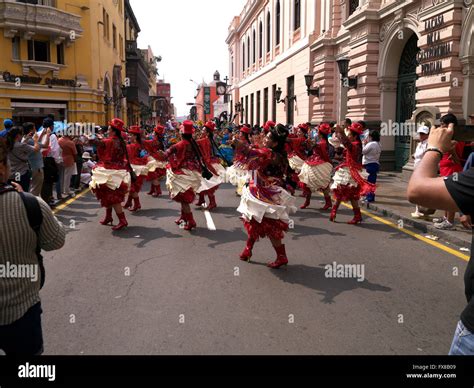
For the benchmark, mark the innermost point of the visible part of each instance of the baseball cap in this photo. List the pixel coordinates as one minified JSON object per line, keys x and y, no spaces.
{"x":423,"y":129}
{"x":8,"y":123}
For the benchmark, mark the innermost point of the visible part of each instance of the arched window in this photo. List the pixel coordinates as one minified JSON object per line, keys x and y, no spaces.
{"x":248,"y":51}
{"x":277,"y":21}
{"x":260,"y":40}
{"x":243,"y":56}
{"x":254,"y":45}
{"x":269,"y":31}
{"x":297,"y":16}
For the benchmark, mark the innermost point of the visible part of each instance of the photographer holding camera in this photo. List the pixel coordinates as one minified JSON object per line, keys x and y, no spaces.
{"x":453,"y":194}
{"x":27,"y":225}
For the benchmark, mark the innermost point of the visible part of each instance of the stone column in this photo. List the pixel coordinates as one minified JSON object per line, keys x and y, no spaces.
{"x":468,"y":90}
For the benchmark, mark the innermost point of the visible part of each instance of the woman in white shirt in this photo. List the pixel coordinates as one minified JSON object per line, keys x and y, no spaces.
{"x":371,"y":160}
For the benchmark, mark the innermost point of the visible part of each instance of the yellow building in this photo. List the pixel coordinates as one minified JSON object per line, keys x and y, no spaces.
{"x":62,"y":57}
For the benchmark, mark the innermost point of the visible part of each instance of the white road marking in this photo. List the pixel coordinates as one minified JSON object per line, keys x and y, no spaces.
{"x":209,"y":220}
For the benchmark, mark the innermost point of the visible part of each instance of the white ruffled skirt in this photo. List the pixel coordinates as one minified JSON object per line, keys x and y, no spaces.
{"x":180,"y":183}
{"x":216,"y":180}
{"x":316,"y":177}
{"x":113,"y":179}
{"x":252,"y":208}
{"x":296,"y":163}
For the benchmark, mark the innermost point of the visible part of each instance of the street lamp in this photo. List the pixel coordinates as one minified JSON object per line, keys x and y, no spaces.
{"x":309,"y":81}
{"x":279,"y":100}
{"x":350,"y":82}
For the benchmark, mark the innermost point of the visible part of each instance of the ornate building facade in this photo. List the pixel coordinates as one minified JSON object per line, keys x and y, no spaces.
{"x":394,"y":64}
{"x":62,"y":57}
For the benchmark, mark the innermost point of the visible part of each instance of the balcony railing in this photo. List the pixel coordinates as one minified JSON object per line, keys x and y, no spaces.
{"x":47,"y":3}
{"x":39,"y":17}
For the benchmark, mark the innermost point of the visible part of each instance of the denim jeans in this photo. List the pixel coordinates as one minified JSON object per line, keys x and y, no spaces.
{"x":469,"y":162}
{"x":463,"y":342}
{"x":372,"y":169}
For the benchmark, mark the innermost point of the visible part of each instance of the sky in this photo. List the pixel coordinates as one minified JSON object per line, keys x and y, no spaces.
{"x":190,"y":37}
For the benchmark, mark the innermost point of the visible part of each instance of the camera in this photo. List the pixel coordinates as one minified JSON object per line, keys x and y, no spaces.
{"x":465,"y":134}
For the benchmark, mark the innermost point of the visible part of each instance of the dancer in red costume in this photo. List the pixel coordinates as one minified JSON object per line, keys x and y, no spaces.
{"x":111,"y":178}
{"x":208,"y":149}
{"x":184,"y":173}
{"x":138,"y":161}
{"x":317,"y":169}
{"x":156,"y":167}
{"x":238,"y":175}
{"x":297,"y":154}
{"x":266,"y":205}
{"x":348,"y":184}
{"x":269,"y":125}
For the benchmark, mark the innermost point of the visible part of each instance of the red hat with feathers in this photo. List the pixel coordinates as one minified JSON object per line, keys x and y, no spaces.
{"x":188,"y":127}
{"x":325,"y":128}
{"x":117,"y":124}
{"x":245,"y":129}
{"x":135,"y":129}
{"x":211,"y":125}
{"x":357,"y":128}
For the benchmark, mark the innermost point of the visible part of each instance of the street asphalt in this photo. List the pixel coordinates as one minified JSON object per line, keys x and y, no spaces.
{"x":155,"y":289}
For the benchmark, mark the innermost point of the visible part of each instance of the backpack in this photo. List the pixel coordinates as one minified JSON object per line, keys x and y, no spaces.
{"x":35,"y":219}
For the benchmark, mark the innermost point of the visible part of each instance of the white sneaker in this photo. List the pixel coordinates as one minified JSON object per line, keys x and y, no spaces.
{"x":417,"y":215}
{"x":445,"y":225}
{"x":439,"y":220}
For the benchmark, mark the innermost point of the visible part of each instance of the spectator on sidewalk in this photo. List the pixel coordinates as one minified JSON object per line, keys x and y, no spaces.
{"x":19,"y":153}
{"x":423,"y":134}
{"x":87,"y":167}
{"x":469,"y":162}
{"x":36,"y":159}
{"x":69,"y":153}
{"x":7,"y":125}
{"x":51,"y":158}
{"x":76,"y":180}
{"x":20,"y":305}
{"x":453,"y":194}
{"x":449,"y":165}
{"x":371,"y":159}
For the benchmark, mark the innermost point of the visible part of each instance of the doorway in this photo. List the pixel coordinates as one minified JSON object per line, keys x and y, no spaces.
{"x":406,"y":99}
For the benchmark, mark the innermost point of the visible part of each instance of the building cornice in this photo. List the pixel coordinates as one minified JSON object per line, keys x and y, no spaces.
{"x":304,"y":44}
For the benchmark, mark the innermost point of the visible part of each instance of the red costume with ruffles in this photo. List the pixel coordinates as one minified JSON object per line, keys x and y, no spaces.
{"x":184,"y":172}
{"x":320,"y":153}
{"x":210,"y":160}
{"x":265,"y":204}
{"x":134,"y":151}
{"x":238,"y":174}
{"x":153,"y":147}
{"x":351,"y":187}
{"x":112,"y":156}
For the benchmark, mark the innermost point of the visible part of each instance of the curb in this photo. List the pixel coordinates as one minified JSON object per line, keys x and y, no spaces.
{"x":68,"y":198}
{"x":421,"y":226}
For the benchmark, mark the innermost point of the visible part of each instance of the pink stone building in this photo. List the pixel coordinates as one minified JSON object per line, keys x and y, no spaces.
{"x":387,"y":62}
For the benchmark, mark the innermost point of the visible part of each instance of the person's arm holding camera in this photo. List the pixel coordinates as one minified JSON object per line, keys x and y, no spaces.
{"x":426,"y":188}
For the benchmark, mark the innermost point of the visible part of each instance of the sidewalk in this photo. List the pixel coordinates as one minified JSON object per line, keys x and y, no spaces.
{"x":391,"y":201}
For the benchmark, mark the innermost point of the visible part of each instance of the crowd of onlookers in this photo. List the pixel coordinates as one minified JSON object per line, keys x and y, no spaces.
{"x":47,"y":163}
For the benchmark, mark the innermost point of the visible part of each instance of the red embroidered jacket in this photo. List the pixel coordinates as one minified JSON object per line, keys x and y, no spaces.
{"x":112,"y":154}
{"x":182,"y":156}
